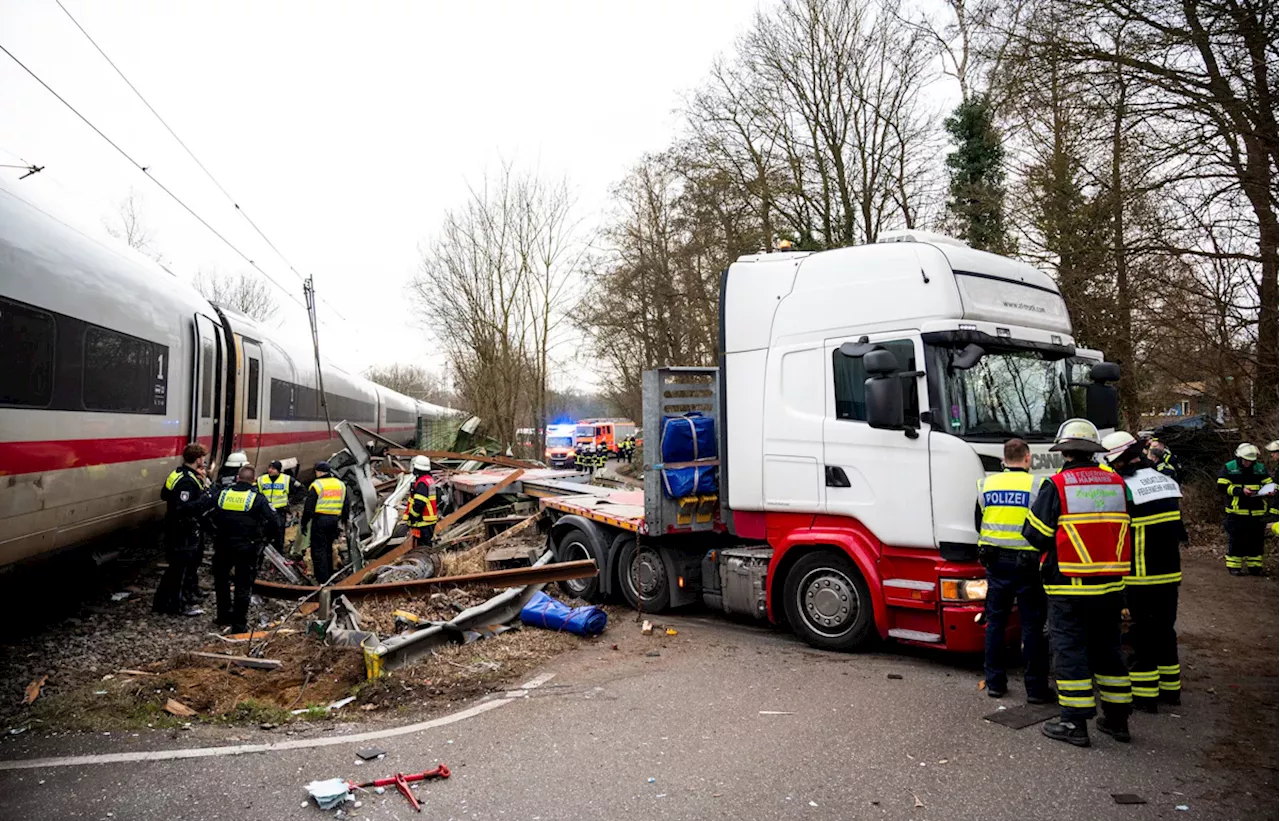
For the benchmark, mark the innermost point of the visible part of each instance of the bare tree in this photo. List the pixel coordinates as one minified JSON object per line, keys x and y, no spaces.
{"x":412,"y":380}
{"x":244,"y":293}
{"x":494,"y":288}
{"x":130,"y":226}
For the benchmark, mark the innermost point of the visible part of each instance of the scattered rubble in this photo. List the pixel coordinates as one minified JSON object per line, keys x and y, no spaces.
{"x":400,"y":630}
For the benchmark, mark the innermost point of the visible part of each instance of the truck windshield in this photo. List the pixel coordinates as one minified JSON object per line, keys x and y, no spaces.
{"x":559,"y":441}
{"x":1007,"y":394}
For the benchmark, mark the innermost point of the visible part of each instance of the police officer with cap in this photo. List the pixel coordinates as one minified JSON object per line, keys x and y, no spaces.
{"x":1151,"y":586}
{"x":422,"y":512}
{"x":1080,"y":524}
{"x":243,"y":518}
{"x":326,"y":506}
{"x":1242,"y":479}
{"x":1013,"y":575}
{"x":278,"y":487}
{"x":185,"y":502}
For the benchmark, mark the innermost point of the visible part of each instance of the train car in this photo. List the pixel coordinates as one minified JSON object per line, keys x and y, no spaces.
{"x":112,"y":365}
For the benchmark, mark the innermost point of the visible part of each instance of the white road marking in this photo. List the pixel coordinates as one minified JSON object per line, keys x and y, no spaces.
{"x":245,"y":749}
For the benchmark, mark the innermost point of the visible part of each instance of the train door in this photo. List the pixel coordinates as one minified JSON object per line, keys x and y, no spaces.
{"x":250,"y":375}
{"x":206,"y":392}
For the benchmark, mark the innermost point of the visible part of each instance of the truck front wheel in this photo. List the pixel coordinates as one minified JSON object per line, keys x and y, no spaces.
{"x":643,"y":577}
{"x":828,"y":603}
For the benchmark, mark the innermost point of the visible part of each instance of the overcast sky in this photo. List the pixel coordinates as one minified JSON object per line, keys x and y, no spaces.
{"x":343,"y":129}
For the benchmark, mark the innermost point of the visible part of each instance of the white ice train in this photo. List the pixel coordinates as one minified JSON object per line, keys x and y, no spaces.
{"x":109,"y":365}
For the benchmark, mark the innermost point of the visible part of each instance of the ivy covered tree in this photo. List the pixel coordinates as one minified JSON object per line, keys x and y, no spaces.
{"x":976,"y":170}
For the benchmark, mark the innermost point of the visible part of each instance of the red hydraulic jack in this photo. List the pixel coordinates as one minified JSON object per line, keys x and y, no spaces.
{"x":401,"y":782}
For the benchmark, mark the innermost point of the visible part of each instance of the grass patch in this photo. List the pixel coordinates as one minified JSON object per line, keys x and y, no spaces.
{"x":86,"y":710}
{"x":253,"y":711}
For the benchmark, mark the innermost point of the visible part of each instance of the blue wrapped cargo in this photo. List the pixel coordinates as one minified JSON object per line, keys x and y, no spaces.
{"x":688,"y":438}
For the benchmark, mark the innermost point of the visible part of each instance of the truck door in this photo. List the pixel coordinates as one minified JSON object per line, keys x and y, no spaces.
{"x":880,"y":477}
{"x":251,"y":393}
{"x":207,"y":388}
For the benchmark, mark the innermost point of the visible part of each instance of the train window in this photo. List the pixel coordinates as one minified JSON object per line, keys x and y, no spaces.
{"x":123,"y":374}
{"x":251,"y":394}
{"x":206,"y":380}
{"x":27,"y":339}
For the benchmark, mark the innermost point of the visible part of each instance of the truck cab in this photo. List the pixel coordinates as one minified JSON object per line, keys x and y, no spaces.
{"x":862,"y":394}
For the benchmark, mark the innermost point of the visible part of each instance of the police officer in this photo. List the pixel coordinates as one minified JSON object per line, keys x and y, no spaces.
{"x":422,"y":512}
{"x":326,"y":506}
{"x":1241,"y":479}
{"x":1080,"y":524}
{"x":277,"y":487}
{"x":1012,"y":573}
{"x":243,"y":517}
{"x":1151,"y":587}
{"x":186,"y":500}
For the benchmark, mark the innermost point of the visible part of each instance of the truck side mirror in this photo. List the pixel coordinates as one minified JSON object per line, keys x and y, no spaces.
{"x":883,"y":391}
{"x":1102,"y":401}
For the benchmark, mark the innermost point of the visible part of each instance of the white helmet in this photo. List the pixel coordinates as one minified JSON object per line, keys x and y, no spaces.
{"x":1078,"y":435}
{"x":236,"y":460}
{"x":420,"y":464}
{"x":1248,"y":452}
{"x":1274,"y":446}
{"x":1116,"y":444}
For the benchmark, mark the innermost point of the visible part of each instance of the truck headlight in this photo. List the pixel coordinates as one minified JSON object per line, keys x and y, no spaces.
{"x":964,"y":589}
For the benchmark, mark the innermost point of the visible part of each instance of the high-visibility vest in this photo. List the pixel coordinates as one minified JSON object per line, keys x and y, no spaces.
{"x":1156,"y":528}
{"x":173,"y":478}
{"x":239,"y":501}
{"x":1235,"y":475}
{"x":1092,"y":538}
{"x":276,"y":490}
{"x":330,"y":494}
{"x":424,"y":497}
{"x":1005,"y":499}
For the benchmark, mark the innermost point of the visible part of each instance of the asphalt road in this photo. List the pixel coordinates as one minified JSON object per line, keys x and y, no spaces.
{"x":733,"y":722}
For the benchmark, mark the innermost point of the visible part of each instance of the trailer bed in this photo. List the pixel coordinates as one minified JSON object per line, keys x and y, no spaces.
{"x":620,"y":508}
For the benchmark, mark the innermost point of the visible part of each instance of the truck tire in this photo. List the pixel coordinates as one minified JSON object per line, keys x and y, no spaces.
{"x":643,"y":578}
{"x":828,"y":602}
{"x":574,"y":546}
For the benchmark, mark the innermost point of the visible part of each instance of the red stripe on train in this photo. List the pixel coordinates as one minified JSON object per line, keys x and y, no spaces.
{"x":42,"y":457}
{"x":62,"y":454}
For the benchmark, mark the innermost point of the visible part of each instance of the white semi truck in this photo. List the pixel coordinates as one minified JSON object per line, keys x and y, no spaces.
{"x":861,"y":395}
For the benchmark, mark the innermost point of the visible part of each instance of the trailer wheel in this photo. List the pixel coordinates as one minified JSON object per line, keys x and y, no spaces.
{"x":828,"y":602}
{"x":574,"y":546}
{"x":643,"y":577}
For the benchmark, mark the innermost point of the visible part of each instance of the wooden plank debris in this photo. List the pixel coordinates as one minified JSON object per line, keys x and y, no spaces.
{"x":33,"y":690}
{"x":238,"y":661}
{"x":391,"y":556}
{"x":177,"y":708}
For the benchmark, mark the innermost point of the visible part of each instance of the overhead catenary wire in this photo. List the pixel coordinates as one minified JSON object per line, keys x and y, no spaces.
{"x":147,"y":173}
{"x":191,"y":153}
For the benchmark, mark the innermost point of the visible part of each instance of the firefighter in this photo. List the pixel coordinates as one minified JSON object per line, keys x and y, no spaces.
{"x":1163,"y":460}
{"x":243,"y":518}
{"x":1155,"y":573}
{"x":422,"y":512}
{"x":186,"y":501}
{"x":326,"y":506}
{"x":1012,"y":573}
{"x":579,"y":456}
{"x":277,"y":487}
{"x":1241,"y":479}
{"x":1080,"y":524}
{"x":1273,"y":499}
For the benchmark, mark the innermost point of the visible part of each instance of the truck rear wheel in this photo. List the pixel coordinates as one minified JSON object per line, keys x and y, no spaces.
{"x":643,"y":577}
{"x":575,"y":546}
{"x":828,"y":602}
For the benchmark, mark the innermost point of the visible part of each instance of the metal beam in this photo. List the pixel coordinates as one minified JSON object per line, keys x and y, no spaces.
{"x":505,"y":461}
{"x":516,"y":577}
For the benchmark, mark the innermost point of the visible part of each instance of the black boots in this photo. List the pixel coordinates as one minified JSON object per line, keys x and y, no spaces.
{"x":1072,"y":732}
{"x":1117,"y":728}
